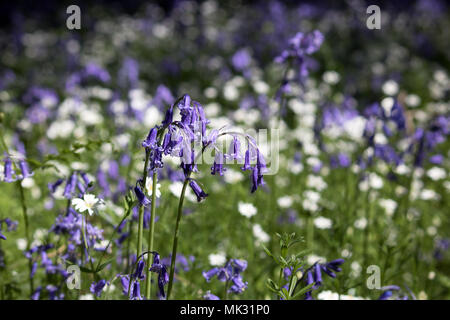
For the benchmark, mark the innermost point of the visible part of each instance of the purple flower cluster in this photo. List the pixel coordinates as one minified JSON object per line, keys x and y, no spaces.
{"x":91,"y":71}
{"x":77,"y":180}
{"x":163,"y":276}
{"x":181,"y":138}
{"x":97,"y":287}
{"x":231,"y":272}
{"x":70,"y":225}
{"x":300,"y":47}
{"x":314,"y":274}
{"x":425,"y":140}
{"x":9,"y":172}
{"x":376,"y":114}
{"x":393,"y":292}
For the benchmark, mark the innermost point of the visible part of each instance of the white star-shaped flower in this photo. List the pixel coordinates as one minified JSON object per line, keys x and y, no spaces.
{"x":149,"y":188}
{"x":89,"y":202}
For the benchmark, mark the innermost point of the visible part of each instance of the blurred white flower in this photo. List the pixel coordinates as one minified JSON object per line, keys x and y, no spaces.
{"x":285,"y":201}
{"x":176,"y":187}
{"x":323,"y":223}
{"x":390,"y":87}
{"x":312,"y":258}
{"x":428,"y":194}
{"x":436,"y":173}
{"x":260,"y":234}
{"x":311,"y":198}
{"x":331,"y":77}
{"x":360,"y":223}
{"x":21,"y":244}
{"x":388,"y":205}
{"x":316,"y":182}
{"x":375,"y":181}
{"x":247,"y":209}
{"x":232,"y":176}
{"x":217,"y":259}
{"x":329,"y":295}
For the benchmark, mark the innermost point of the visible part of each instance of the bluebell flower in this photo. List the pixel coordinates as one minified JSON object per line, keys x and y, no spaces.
{"x":209,"y":296}
{"x":70,"y":186}
{"x":237,"y":286}
{"x":52,"y":186}
{"x":37,"y":293}
{"x":139,"y":273}
{"x":200,"y":194}
{"x":53,"y":292}
{"x":231,"y":272}
{"x":241,"y":59}
{"x":234,"y":150}
{"x":150,"y":141}
{"x":26,"y":173}
{"x":161,"y":270}
{"x":143,"y":200}
{"x":208,"y":275}
{"x":97,"y":288}
{"x":9,"y":171}
{"x":309,"y":280}
{"x":217,"y":167}
{"x":392,"y":292}
{"x":135,"y":289}
{"x":397,"y":115}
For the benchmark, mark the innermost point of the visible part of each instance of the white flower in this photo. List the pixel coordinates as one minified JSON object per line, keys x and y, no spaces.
{"x":388,"y":205}
{"x":316,"y":182}
{"x":176,"y":188}
{"x":21,"y":244}
{"x":149,"y":187}
{"x":329,"y":295}
{"x":89,"y":203}
{"x":311,"y":198}
{"x":260,"y":234}
{"x":312,"y":259}
{"x":323,"y":223}
{"x":232,"y":176}
{"x":375,"y":181}
{"x":217,"y":259}
{"x":285,"y":202}
{"x":390,"y":87}
{"x":428,"y":194}
{"x":361,"y":223}
{"x":247,"y":209}
{"x":436,"y":173}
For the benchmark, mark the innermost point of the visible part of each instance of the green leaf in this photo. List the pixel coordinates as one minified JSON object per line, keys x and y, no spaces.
{"x":272,"y":286}
{"x":103,"y":265}
{"x":303,"y":290}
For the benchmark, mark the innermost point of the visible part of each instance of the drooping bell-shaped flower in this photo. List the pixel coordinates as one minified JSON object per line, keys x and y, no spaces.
{"x":161,"y":270}
{"x":234,"y":150}
{"x":97,"y":287}
{"x":217,"y":166}
{"x":143,"y":200}
{"x":25,"y":169}
{"x":201,"y":195}
{"x":150,"y":141}
{"x":9,"y":171}
{"x":70,"y":186}
{"x":210,"y":273}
